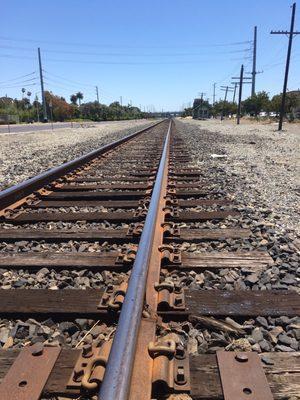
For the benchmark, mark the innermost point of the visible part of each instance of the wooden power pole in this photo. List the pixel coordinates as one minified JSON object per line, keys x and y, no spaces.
{"x":291,"y":34}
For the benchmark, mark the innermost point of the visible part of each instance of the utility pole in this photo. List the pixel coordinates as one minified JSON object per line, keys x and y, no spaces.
{"x":291,"y":34}
{"x":42,"y":87}
{"x":241,"y":81}
{"x":225,"y":89}
{"x":240,"y":95}
{"x":214,"y":94}
{"x":201,"y":103}
{"x":254,"y":72}
{"x":97,"y":93}
{"x":121,"y":100}
{"x":234,"y":91}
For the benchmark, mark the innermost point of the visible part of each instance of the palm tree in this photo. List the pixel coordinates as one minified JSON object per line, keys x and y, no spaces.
{"x":29,"y":94}
{"x":73,"y":99}
{"x":79,"y":96}
{"x":23,"y":91}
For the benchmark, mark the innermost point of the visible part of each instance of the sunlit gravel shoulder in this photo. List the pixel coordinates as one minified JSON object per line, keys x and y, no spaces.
{"x":263,"y":163}
{"x":24,"y":155}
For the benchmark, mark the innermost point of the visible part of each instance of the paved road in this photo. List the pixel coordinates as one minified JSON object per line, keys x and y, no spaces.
{"x":39,"y":127}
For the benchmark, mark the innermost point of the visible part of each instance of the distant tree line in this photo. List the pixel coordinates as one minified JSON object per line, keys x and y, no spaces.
{"x":58,"y":109}
{"x":253,"y":106}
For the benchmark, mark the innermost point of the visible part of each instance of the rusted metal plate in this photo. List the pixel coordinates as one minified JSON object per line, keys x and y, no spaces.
{"x":242,"y":376}
{"x":29,"y":373}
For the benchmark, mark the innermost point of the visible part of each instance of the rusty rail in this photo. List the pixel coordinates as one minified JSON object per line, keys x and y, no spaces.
{"x":23,"y":189}
{"x":117,"y":378}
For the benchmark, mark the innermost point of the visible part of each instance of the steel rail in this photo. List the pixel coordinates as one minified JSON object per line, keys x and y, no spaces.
{"x":118,"y":372}
{"x":25,"y":188}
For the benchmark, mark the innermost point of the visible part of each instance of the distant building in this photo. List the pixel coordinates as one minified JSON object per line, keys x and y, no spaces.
{"x":201,"y":109}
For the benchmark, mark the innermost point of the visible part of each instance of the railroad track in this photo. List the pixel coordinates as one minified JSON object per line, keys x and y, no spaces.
{"x":120,"y":217}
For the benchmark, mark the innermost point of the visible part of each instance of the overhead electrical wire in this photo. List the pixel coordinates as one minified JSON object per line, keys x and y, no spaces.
{"x":143,"y":46}
{"x":45,"y":51}
{"x":18,"y":78}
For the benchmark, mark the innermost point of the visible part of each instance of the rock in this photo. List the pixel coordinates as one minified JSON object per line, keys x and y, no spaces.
{"x":296,"y":333}
{"x":239,"y":344}
{"x":265,"y":345}
{"x":285,"y":339}
{"x":20,"y":331}
{"x":256,"y":347}
{"x":9,"y":343}
{"x":263,"y":242}
{"x":69,"y":327}
{"x":263,"y":322}
{"x":48,"y":322}
{"x":82,"y":322}
{"x":257,"y":335}
{"x":4,"y":334}
{"x":253,"y":278}
{"x":193,"y":346}
{"x":280,"y":347}
{"x":267,"y":360}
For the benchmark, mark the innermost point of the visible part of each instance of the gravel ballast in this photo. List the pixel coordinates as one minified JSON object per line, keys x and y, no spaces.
{"x":263,"y":163}
{"x":25,"y":155}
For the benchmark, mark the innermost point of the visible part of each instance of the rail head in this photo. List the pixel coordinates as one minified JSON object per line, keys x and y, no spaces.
{"x":17,"y":192}
{"x":117,"y":378}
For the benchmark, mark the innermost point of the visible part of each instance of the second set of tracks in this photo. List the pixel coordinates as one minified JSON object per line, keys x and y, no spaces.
{"x":124,"y":211}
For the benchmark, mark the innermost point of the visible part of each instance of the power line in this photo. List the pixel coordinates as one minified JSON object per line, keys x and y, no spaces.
{"x":69,"y":80}
{"x":25,"y":83}
{"x":19,"y":77}
{"x":185,"y":45}
{"x":17,"y":86}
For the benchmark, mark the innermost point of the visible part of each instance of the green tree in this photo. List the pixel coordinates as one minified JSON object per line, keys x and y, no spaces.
{"x":73,"y":99}
{"x":61,"y":110}
{"x":224,"y":108}
{"x":257,"y":103}
{"x":291,"y":102}
{"x":79,"y":96}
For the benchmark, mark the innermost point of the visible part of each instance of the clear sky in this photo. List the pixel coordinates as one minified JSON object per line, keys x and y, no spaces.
{"x":158,"y":53}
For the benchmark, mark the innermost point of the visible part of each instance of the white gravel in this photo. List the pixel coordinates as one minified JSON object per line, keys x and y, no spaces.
{"x":264,"y":162}
{"x":24,"y":155}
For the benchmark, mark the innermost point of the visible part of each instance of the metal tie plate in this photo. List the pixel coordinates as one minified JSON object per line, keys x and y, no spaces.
{"x":26,"y":378}
{"x":242,"y":376}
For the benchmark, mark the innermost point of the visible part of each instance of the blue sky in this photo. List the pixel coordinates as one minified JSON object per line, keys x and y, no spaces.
{"x":158,"y":53}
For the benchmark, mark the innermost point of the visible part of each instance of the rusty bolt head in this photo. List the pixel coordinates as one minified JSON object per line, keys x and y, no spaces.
{"x":241,"y":357}
{"x":87,"y":350}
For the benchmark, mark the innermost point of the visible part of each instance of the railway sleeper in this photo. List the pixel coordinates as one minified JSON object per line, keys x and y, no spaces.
{"x":117,"y":261}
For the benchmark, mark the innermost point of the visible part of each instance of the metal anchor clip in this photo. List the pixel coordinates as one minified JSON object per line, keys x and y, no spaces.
{"x":135,"y":229}
{"x":169,"y":255}
{"x":171,"y":200}
{"x":113,"y":297}
{"x":170,"y":296}
{"x":145,"y":201}
{"x":171,"y":184}
{"x":127,"y":257}
{"x":169,"y":374}
{"x":170,"y":229}
{"x":171,"y":191}
{"x":89,"y":369}
{"x":141,"y":212}
{"x":171,"y":211}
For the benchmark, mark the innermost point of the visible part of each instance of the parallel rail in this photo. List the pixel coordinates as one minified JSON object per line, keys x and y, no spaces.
{"x":154,"y":192}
